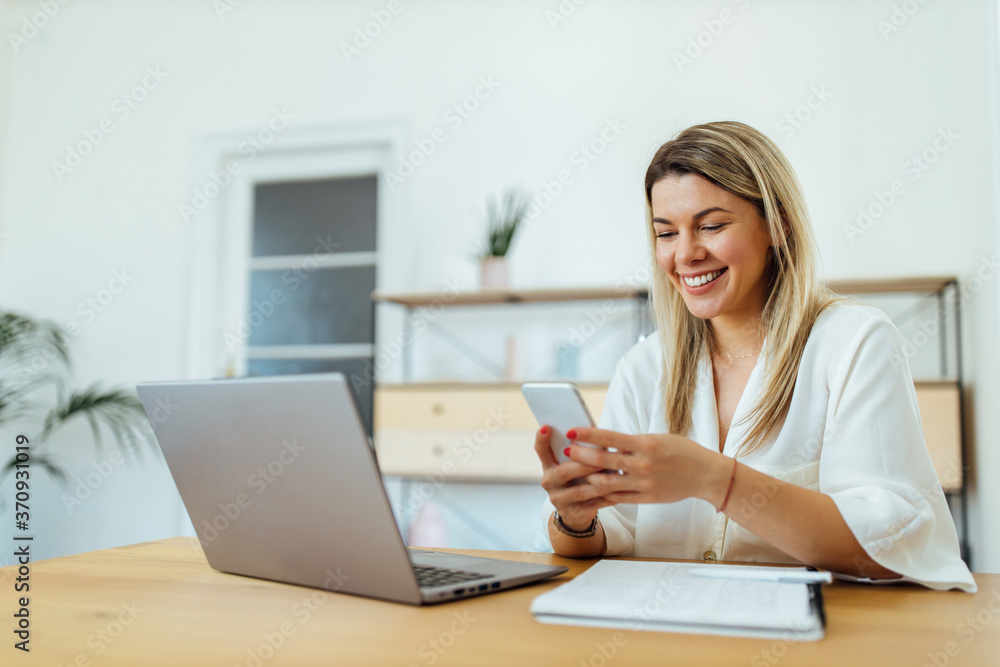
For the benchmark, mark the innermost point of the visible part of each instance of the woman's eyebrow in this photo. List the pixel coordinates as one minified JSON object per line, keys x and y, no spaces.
{"x":697,"y":216}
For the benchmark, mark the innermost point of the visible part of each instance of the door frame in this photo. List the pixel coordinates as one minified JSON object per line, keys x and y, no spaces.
{"x":220,"y":235}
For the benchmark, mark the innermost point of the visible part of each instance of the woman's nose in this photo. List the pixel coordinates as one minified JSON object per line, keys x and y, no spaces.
{"x":688,"y":249}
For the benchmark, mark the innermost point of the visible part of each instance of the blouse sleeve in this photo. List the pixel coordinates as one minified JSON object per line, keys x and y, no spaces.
{"x":874,"y":464}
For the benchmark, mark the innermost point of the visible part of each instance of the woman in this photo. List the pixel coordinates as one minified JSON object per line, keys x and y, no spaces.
{"x":794,"y":434}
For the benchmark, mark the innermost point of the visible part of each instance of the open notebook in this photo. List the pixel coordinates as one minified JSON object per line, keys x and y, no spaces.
{"x":734,"y":600}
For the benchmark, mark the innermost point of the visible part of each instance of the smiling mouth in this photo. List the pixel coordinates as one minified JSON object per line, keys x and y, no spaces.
{"x":704,"y":278}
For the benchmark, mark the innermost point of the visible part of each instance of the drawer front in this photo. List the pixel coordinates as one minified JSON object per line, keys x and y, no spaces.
{"x":437,"y":409}
{"x":489,"y":433}
{"x":440,"y":455}
{"x":460,"y":432}
{"x":941,"y":418}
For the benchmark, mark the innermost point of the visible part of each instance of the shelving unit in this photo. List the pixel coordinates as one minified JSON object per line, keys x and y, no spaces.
{"x":420,"y":426}
{"x":411,"y":301}
{"x":942,"y":407}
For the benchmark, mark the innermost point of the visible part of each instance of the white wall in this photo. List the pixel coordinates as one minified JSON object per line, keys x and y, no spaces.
{"x":889,"y":95}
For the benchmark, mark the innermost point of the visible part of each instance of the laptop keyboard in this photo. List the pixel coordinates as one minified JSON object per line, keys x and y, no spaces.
{"x":429,"y":577}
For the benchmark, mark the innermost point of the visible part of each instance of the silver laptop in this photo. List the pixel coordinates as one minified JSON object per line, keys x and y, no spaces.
{"x":280,"y":481}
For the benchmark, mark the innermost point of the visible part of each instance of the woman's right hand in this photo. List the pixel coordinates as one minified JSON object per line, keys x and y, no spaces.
{"x":577,"y":504}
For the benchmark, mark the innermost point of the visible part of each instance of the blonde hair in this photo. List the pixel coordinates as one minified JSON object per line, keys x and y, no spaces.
{"x":741,"y":160}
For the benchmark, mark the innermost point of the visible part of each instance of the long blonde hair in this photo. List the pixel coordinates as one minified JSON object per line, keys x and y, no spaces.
{"x":741,"y":160}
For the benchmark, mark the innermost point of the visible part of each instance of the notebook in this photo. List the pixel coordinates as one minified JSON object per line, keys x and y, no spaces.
{"x":717,"y":599}
{"x":280,"y":481}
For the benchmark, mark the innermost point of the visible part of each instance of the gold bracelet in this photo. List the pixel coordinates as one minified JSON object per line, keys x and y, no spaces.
{"x":590,"y":531}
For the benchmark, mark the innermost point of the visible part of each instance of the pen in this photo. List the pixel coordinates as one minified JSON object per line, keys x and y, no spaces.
{"x":764,"y":574}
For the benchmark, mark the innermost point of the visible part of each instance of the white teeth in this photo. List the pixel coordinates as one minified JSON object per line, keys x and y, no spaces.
{"x":702,"y":279}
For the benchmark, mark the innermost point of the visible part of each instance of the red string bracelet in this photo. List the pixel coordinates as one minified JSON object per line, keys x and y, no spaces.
{"x":732,"y":478}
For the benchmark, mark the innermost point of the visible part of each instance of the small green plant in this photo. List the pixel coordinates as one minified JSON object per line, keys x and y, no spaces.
{"x":35,"y":370}
{"x":503,"y":218}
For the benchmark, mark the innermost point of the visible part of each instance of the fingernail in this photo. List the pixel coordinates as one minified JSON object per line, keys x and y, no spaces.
{"x":571,"y":434}
{"x":545,"y":429}
{"x":566,"y":452}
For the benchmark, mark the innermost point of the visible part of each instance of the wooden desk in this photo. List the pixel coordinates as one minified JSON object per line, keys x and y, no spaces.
{"x":159,"y":603}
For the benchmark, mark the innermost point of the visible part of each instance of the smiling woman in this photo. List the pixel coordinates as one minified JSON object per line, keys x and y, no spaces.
{"x":715,"y":257}
{"x":766,"y":421}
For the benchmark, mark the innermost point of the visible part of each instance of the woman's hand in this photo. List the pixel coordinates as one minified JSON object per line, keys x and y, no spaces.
{"x":577,"y":504}
{"x":655,"y":468}
{"x":804,"y":523}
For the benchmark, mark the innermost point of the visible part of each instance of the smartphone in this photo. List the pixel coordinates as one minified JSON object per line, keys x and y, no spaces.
{"x":560,"y":406}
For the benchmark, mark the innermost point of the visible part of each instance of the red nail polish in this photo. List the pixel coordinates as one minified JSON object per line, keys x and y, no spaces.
{"x":566,"y":452}
{"x":571,"y":434}
{"x":545,"y":429}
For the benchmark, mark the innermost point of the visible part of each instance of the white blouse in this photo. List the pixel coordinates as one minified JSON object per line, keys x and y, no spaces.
{"x":852,"y":431}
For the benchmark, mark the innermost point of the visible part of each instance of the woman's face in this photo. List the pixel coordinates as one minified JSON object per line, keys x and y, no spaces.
{"x":714,"y":239}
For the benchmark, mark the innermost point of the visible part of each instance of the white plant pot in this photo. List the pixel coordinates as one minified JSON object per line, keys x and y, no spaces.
{"x":493,"y":273}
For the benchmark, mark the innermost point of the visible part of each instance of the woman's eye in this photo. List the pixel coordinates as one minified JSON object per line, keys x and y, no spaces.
{"x":712,"y":228}
{"x":665,"y":235}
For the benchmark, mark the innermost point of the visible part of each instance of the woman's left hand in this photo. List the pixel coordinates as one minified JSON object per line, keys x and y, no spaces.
{"x":655,"y":468}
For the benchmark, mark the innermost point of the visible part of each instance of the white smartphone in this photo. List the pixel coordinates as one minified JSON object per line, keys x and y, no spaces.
{"x":560,"y":406}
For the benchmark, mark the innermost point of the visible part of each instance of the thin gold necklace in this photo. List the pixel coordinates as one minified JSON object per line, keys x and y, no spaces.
{"x":742,"y":356}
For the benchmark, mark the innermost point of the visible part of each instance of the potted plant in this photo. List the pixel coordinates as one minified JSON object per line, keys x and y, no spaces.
{"x":35,"y":369}
{"x":503,"y":218}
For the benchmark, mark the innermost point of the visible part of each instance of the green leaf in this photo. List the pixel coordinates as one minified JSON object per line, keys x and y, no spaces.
{"x":503,"y":219}
{"x":34,"y":379}
{"x":27,"y":340}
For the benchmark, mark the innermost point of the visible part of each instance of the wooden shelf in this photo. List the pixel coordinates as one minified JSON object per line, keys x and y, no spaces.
{"x":486,"y":384}
{"x":486,"y":297}
{"x":929,"y":284}
{"x":916,"y":284}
